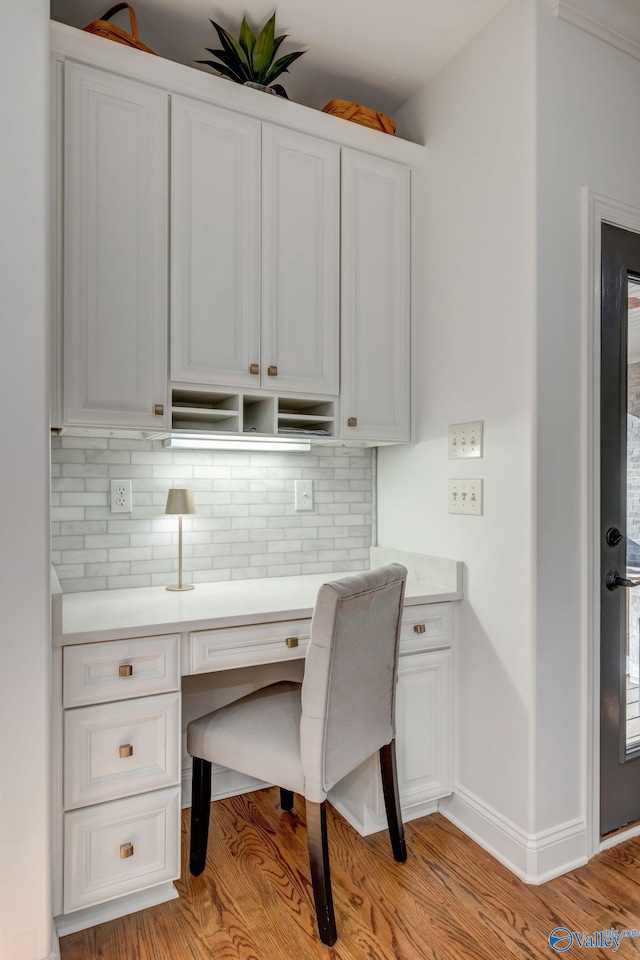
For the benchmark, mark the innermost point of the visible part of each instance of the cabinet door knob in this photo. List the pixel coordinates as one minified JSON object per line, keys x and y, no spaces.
{"x":291,"y":642}
{"x":126,"y":750}
{"x":126,"y":850}
{"x":419,"y":628}
{"x":272,"y":371}
{"x":254,"y":368}
{"x":352,"y":422}
{"x":125,"y":670}
{"x":158,"y":410}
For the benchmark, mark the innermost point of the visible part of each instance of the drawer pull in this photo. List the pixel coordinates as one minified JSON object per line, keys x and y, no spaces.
{"x":352,"y":422}
{"x":291,"y":642}
{"x":125,"y":670}
{"x":419,"y":628}
{"x":126,"y":850}
{"x":254,"y":368}
{"x":126,"y":750}
{"x":272,"y":371}
{"x":158,"y":410}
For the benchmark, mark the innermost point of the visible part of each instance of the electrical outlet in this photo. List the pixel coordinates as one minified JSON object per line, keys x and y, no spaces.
{"x":121,"y":496}
{"x":303,"y":495}
{"x":465,"y":440}
{"x":465,"y":496}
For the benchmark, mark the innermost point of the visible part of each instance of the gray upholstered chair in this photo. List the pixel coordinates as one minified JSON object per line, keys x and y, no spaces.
{"x":306,"y":737}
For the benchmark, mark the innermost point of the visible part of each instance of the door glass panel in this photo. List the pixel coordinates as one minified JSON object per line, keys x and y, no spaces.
{"x":633,"y":518}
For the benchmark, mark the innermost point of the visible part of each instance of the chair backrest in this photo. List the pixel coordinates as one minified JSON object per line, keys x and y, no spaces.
{"x":348,"y":691}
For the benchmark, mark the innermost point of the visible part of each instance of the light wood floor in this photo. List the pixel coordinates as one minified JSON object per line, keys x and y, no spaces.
{"x":450,"y":900}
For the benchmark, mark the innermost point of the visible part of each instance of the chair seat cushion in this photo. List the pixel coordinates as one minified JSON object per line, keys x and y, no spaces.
{"x":258,"y":735}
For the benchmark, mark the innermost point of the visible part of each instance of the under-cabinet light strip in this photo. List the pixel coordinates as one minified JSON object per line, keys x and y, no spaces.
{"x":275,"y":444}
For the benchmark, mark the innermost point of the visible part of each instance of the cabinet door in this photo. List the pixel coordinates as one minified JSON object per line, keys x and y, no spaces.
{"x":423,"y":727}
{"x":300,"y":262}
{"x":375,"y":298}
{"x":215,"y":245}
{"x":115,"y":322}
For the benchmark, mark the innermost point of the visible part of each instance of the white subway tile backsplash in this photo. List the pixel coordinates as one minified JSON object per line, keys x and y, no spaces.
{"x":245,"y":524}
{"x":66,"y":571}
{"x":81,"y":469}
{"x":107,"y":569}
{"x":105,"y":540}
{"x":130,"y":553}
{"x":67,"y":543}
{"x":67,"y":513}
{"x":247,"y":573}
{"x":285,"y":570}
{"x":85,"y":443}
{"x":84,"y":584}
{"x":107,"y":456}
{"x":82,"y":527}
{"x":119,"y":583}
{"x":58,"y":484}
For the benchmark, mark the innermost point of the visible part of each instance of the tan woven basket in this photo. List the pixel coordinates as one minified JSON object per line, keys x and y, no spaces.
{"x":358,"y":114}
{"x":102,"y":28}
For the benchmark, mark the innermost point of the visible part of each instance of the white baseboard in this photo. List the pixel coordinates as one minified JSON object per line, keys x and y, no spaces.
{"x":412,"y":811}
{"x":112,"y":909}
{"x":535,"y":858}
{"x":55,"y":944}
{"x":368,"y":821}
{"x":612,"y":841}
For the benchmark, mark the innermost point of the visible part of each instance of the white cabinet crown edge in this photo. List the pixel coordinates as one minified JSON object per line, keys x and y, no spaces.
{"x":68,"y":42}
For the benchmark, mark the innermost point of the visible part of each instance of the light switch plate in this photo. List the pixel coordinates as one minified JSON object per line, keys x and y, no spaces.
{"x":303,"y":495}
{"x":465,"y":496}
{"x":465,"y":440}
{"x":121,"y":496}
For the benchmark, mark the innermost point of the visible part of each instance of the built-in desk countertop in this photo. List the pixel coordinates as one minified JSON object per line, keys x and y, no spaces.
{"x":145,"y":611}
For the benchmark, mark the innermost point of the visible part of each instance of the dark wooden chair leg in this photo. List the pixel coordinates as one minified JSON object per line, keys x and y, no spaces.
{"x":200,"y":810}
{"x":320,"y":875}
{"x":286,"y":799}
{"x":389,"y":773}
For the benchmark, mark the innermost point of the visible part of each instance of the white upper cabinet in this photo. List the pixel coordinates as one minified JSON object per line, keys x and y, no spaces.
{"x":215,"y":245}
{"x":374,"y":402}
{"x":300,"y":262}
{"x":115,"y":274}
{"x":233,"y":323}
{"x":276,"y":238}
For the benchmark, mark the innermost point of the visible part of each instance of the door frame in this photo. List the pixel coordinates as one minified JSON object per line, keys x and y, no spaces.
{"x":597,"y":209}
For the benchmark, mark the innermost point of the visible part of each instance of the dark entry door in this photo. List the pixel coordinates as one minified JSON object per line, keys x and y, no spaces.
{"x":620,"y":530}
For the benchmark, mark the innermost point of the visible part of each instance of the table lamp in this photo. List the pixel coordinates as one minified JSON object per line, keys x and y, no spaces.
{"x":179,"y":502}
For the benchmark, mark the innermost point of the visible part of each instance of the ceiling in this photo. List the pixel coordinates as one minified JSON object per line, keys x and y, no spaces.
{"x":377,"y":54}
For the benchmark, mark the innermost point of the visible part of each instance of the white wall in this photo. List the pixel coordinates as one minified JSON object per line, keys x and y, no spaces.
{"x":527,"y":115}
{"x":25,"y":905}
{"x":588,"y":134}
{"x":473,"y":358}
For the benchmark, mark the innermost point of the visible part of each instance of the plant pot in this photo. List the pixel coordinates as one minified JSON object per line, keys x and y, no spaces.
{"x":259,"y":86}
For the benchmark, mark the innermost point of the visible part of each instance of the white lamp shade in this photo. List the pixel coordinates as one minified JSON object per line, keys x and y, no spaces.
{"x":179,"y":501}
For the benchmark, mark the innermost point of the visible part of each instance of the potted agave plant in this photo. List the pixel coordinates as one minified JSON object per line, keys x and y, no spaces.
{"x":250,"y":59}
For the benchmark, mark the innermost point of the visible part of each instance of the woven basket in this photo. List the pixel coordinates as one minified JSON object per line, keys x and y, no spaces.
{"x":358,"y":114}
{"x":102,"y":28}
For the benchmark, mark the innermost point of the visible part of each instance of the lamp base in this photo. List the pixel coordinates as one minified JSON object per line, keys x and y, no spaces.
{"x":185,"y":586}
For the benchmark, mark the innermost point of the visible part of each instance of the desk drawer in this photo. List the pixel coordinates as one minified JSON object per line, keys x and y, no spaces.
{"x":120,"y":669}
{"x":211,"y":650}
{"x":117,"y":749}
{"x":120,"y":847}
{"x":425,"y":626}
